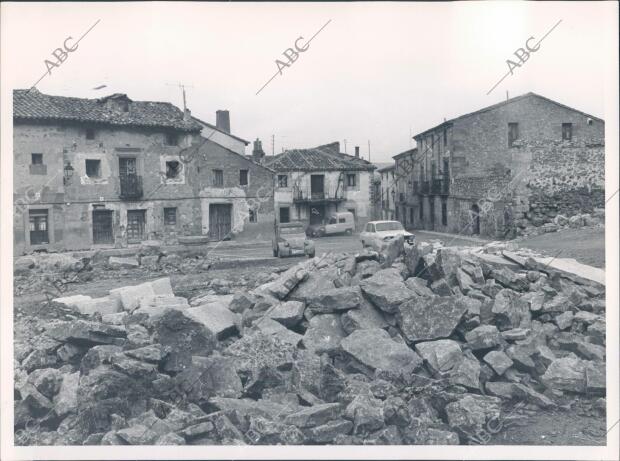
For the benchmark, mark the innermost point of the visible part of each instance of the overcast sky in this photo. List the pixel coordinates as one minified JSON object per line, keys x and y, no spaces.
{"x":377,"y":72}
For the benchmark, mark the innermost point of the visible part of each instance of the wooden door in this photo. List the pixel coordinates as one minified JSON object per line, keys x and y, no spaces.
{"x":102,"y":226}
{"x":136,"y":220}
{"x":220,"y":221}
{"x":317,"y":184}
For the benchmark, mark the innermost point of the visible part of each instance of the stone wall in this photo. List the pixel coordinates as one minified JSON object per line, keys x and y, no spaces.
{"x":563,"y":178}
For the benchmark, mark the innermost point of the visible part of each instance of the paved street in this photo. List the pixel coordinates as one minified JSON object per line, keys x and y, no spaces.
{"x":262,"y":249}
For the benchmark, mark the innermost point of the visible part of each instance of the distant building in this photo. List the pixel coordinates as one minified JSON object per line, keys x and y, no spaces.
{"x":312,"y":183}
{"x":388,"y":192}
{"x":507,"y":166}
{"x":111,"y":172}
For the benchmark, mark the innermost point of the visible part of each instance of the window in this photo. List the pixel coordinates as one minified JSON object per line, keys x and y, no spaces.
{"x":444,"y":213}
{"x":282,"y":180}
{"x":342,"y":220}
{"x":38,"y":227}
{"x":332,"y":220}
{"x":445,"y":137}
{"x":93,"y":168}
{"x":170,"y":216}
{"x":173,"y":169}
{"x":172,"y":139}
{"x":90,"y":133}
{"x":513,"y":133}
{"x":567,"y":131}
{"x":370,"y":227}
{"x":284,"y":215}
{"x":411,"y":216}
{"x":218,"y":178}
{"x":37,"y":159}
{"x":243,"y":177}
{"x":421,"y":211}
{"x":396,"y":212}
{"x":252,"y":215}
{"x":351,"y":180}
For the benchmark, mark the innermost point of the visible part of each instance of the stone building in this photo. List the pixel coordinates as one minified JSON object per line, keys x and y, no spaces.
{"x":111,"y":172}
{"x":481,"y":173}
{"x":312,"y":183}
{"x":388,"y":192}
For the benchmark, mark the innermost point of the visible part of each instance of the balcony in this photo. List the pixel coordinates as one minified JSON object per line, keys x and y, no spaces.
{"x":131,"y":187}
{"x":303,"y":194}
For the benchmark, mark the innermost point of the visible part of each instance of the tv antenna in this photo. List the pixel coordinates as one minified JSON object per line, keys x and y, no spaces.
{"x":182,"y":86}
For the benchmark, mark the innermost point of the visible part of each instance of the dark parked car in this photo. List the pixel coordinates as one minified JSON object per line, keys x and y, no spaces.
{"x":290,"y":240}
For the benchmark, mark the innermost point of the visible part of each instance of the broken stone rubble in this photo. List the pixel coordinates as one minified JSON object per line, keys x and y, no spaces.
{"x":302,"y":359}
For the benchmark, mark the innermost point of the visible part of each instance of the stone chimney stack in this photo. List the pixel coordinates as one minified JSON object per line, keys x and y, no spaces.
{"x":222,"y":120}
{"x":257,"y":152}
{"x":187,"y":115}
{"x":357,"y":151}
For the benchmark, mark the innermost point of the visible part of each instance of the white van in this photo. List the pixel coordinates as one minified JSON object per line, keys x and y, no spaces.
{"x":337,"y":223}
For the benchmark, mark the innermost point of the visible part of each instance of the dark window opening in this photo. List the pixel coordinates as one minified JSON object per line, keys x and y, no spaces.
{"x":172,"y":139}
{"x":445,"y":137}
{"x":173,"y":169}
{"x":37,"y":159}
{"x":282,"y":180}
{"x":170,"y":216}
{"x":38,"y":227}
{"x":243,"y":177}
{"x":567,"y":131}
{"x":342,"y":220}
{"x":513,"y":133}
{"x":284,"y":214}
{"x":411,"y":216}
{"x":93,"y":168}
{"x":252,"y":215}
{"x":218,"y":178}
{"x":90,"y":133}
{"x":351,"y":180}
{"x":444,"y":214}
{"x":421,"y":211}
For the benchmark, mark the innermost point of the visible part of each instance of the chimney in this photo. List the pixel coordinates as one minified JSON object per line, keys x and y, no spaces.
{"x":357,"y":151}
{"x":222,"y":120}
{"x":187,"y":115}
{"x":257,"y":152}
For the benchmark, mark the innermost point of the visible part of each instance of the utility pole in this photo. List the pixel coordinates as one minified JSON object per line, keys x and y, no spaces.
{"x":369,"y":150}
{"x":273,"y":144}
{"x":182,"y":86}
{"x":345,"y":146}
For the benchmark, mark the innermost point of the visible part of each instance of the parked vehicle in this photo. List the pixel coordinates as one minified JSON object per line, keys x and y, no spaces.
{"x":342,"y":222}
{"x":290,"y":240}
{"x":377,"y":232}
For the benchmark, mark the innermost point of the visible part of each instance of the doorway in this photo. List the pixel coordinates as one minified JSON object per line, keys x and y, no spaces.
{"x":220,"y":221}
{"x":136,"y":223}
{"x":102,"y":226}
{"x":317,"y":186}
{"x":317,"y":214}
{"x":475,"y":219}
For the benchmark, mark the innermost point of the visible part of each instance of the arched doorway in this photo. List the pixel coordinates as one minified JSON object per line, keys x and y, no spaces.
{"x":475,"y":219}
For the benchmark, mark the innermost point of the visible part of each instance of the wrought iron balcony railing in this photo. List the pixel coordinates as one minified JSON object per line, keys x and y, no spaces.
{"x":131,"y":187}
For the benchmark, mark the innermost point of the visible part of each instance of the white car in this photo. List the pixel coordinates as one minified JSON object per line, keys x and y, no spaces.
{"x":377,"y":232}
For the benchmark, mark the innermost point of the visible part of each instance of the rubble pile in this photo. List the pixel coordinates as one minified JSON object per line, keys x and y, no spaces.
{"x":542,"y":220}
{"x":53,"y":272}
{"x":416,"y":345}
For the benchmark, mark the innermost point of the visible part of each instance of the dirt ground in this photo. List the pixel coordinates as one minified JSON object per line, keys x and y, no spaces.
{"x":586,"y":245}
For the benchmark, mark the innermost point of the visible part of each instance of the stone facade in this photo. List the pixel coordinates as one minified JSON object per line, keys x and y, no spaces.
{"x":313,"y":183}
{"x":167,"y":195}
{"x":480,"y":173}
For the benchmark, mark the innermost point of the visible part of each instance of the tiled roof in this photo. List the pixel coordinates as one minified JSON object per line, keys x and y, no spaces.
{"x":503,"y":103}
{"x":321,"y":158}
{"x":33,"y":105}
